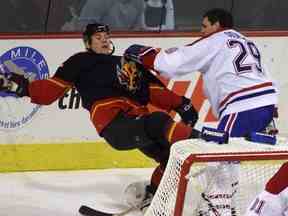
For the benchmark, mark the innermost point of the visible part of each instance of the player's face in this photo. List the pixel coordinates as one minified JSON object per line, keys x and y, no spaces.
{"x":208,"y":28}
{"x":100,"y":43}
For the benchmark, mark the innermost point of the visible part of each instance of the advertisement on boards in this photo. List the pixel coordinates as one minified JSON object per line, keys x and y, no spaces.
{"x":65,"y":120}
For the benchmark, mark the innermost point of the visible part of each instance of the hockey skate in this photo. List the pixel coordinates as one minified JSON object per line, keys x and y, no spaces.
{"x":139,"y":195}
{"x":272,"y":128}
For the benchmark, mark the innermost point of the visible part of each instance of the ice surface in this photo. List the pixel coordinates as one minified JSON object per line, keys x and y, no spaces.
{"x":61,"y":193}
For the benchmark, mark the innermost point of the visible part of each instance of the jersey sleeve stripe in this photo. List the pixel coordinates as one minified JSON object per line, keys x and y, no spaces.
{"x":60,"y":83}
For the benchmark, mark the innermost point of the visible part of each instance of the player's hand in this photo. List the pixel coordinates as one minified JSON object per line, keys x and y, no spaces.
{"x":137,"y":52}
{"x":187,"y":112}
{"x":14,"y":83}
{"x":4,"y":83}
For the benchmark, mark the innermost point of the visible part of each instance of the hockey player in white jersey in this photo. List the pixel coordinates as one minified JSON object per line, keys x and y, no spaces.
{"x":273,"y":201}
{"x":239,"y":89}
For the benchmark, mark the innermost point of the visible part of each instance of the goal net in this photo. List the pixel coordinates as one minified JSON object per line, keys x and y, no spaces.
{"x":204,"y":178}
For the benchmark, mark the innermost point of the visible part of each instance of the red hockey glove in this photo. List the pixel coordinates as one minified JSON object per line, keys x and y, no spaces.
{"x":187,"y":112}
{"x":144,"y":55}
{"x":14,"y":83}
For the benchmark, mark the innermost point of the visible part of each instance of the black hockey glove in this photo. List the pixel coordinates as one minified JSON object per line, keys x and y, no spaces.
{"x":187,"y":112}
{"x":14,"y":83}
{"x":210,"y":134}
{"x":136,"y":52}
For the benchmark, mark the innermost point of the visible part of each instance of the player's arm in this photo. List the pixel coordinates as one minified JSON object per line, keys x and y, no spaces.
{"x":179,"y":60}
{"x":166,"y":99}
{"x":163,"y":98}
{"x":42,"y":92}
{"x":45,"y":91}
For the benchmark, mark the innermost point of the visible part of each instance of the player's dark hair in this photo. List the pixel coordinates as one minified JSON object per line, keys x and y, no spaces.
{"x":220,"y":15}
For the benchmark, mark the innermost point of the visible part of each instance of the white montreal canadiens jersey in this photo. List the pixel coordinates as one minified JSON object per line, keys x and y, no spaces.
{"x":234,"y":78}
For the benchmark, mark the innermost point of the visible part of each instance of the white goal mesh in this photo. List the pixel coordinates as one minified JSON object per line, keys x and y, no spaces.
{"x":203,"y":179}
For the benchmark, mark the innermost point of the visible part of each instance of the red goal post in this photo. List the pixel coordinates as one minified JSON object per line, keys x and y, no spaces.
{"x":204,"y":177}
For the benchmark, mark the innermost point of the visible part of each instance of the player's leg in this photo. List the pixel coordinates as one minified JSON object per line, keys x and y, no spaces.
{"x":243,"y":123}
{"x":273,"y":200}
{"x":153,"y":135}
{"x":141,"y":193}
{"x":164,"y":131}
{"x":126,"y":132}
{"x":161,"y":128}
{"x":148,"y":133}
{"x":279,"y":181}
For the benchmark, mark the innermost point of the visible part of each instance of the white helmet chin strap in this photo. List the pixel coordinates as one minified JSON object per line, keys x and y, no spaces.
{"x":112,"y":48}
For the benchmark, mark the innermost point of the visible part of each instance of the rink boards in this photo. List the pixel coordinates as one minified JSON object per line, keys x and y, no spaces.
{"x":61,"y":136}
{"x":68,"y":156}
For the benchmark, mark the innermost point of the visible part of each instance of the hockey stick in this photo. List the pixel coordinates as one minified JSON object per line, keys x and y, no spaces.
{"x":88,"y":211}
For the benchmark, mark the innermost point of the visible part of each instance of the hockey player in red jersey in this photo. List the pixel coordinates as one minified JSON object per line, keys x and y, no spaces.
{"x":116,"y":92}
{"x":273,"y":201}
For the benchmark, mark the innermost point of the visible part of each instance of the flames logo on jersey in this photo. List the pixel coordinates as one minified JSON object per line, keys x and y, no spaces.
{"x":129,"y":75}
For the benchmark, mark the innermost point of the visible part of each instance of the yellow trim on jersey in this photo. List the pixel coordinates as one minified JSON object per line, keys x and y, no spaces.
{"x":171,"y":131}
{"x":59,"y":83}
{"x":156,"y":87}
{"x":110,"y":102}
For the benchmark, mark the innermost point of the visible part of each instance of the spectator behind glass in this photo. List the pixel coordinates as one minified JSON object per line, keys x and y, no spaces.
{"x":159,"y":12}
{"x":118,"y":14}
{"x":22,"y":16}
{"x":60,"y":12}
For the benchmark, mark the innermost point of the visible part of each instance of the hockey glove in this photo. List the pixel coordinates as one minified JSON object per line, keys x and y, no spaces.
{"x":187,"y":112}
{"x":4,"y":83}
{"x":14,"y":83}
{"x":141,"y":54}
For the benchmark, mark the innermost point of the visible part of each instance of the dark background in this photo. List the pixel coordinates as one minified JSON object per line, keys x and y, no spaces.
{"x":43,"y":16}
